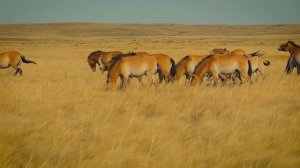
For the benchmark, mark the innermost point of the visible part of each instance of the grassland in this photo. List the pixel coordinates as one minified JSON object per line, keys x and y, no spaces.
{"x":58,"y":114}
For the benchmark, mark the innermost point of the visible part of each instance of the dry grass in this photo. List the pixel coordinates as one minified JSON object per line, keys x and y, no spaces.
{"x":60,"y":115}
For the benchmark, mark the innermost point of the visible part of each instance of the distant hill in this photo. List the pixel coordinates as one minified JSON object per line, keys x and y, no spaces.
{"x":98,"y":30}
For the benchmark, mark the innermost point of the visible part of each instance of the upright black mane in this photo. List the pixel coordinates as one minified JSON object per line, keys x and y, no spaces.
{"x":95,"y":54}
{"x":182,"y":59}
{"x":204,"y":59}
{"x":294,"y":44}
{"x":118,"y":57}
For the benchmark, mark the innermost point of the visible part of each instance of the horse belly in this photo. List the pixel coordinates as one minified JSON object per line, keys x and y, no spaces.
{"x":4,"y":63}
{"x":226,"y":69}
{"x":137,"y":71}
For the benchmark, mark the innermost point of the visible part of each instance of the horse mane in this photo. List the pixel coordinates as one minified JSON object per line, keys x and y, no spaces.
{"x":182,"y":59}
{"x":95,"y":54}
{"x":203,"y":60}
{"x":119,"y":56}
{"x":293,"y":43}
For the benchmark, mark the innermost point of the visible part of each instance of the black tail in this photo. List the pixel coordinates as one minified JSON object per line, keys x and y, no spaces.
{"x":173,"y":68}
{"x":249,"y":69}
{"x":267,"y":63}
{"x":290,"y":65}
{"x":27,"y":61}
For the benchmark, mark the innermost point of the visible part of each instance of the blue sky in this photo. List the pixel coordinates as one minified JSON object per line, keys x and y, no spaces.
{"x":151,"y":11}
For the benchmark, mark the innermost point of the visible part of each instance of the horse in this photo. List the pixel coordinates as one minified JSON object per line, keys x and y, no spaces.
{"x":294,"y":59}
{"x":104,"y":57}
{"x":13,"y":59}
{"x":224,"y":51}
{"x":255,"y":58}
{"x":218,"y":65}
{"x":258,"y":65}
{"x":131,"y":66}
{"x":167,"y":67}
{"x":186,"y":66}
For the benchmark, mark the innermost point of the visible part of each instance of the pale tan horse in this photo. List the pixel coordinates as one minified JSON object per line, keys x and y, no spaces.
{"x":294,"y":59}
{"x":187,"y":65}
{"x":106,"y":59}
{"x":224,"y":51}
{"x":13,"y":59}
{"x":218,"y":64}
{"x":131,"y":66}
{"x":257,"y":62}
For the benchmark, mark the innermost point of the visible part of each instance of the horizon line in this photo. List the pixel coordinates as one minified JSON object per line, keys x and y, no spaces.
{"x":154,"y":23}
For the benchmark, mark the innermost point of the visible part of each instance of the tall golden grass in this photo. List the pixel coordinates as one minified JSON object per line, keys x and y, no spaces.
{"x":58,"y":114}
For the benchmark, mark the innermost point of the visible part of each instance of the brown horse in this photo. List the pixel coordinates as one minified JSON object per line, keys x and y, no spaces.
{"x":167,"y":67}
{"x":131,"y":66}
{"x":225,"y":65}
{"x":187,"y":65}
{"x":294,"y":59}
{"x":104,"y":57}
{"x":13,"y":59}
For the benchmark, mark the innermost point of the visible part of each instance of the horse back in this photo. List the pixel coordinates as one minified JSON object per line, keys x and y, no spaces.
{"x":138,"y":63}
{"x":13,"y":57}
{"x":238,"y":52}
{"x":164,"y":62}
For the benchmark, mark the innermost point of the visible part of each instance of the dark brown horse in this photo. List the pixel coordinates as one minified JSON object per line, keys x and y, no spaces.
{"x":294,"y":59}
{"x":104,"y":57}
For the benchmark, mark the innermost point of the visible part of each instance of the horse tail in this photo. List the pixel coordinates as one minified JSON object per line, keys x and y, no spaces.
{"x":27,"y":61}
{"x":249,"y":69}
{"x":173,"y":68}
{"x":291,"y":64}
{"x":267,"y":63}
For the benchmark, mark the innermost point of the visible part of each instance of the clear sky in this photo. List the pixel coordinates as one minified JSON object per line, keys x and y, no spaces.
{"x":151,"y":11}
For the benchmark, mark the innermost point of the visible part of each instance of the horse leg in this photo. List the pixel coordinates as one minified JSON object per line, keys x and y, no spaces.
{"x":222,"y":79}
{"x":262,"y":75}
{"x":140,"y":79}
{"x":245,"y":76}
{"x":255,"y":76}
{"x":298,"y":70}
{"x":20,"y":71}
{"x":161,"y":77}
{"x":150,"y":79}
{"x":236,"y":75}
{"x":17,"y":68}
{"x":122,"y":82}
{"x":215,"y":78}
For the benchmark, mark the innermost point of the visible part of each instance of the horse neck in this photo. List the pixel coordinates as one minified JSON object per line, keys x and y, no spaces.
{"x":200,"y":72}
{"x":113,"y":73}
{"x":293,"y":49}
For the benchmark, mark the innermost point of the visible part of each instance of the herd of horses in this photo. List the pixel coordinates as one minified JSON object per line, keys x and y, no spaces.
{"x":220,"y":65}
